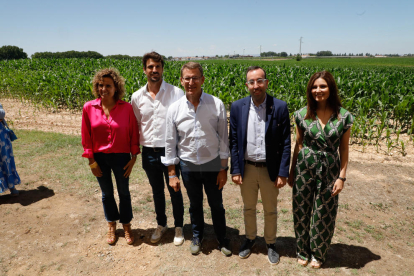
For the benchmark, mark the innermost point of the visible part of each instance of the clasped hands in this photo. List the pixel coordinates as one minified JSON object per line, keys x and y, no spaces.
{"x":221,"y":181}
{"x":279,"y":183}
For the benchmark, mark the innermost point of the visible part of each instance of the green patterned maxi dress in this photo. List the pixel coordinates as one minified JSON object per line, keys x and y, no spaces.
{"x":317,"y":168}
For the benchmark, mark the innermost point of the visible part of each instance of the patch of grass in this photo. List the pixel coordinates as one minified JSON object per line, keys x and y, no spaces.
{"x":355,"y":224}
{"x":58,"y":158}
{"x":380,"y":206}
{"x":284,"y":211}
{"x":375,"y":233}
{"x":59,"y":267}
{"x":344,"y":206}
{"x":340,"y":228}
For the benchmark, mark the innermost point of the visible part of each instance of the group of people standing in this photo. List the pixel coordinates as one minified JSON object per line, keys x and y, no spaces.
{"x":187,"y":134}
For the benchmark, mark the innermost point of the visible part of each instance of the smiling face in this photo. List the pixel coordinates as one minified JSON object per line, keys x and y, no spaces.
{"x":153,"y":70}
{"x":257,"y":85}
{"x":320,"y":90}
{"x":192,"y":81}
{"x":106,"y":88}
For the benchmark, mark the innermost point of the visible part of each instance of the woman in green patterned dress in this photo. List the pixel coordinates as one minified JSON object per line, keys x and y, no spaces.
{"x":318,"y":172}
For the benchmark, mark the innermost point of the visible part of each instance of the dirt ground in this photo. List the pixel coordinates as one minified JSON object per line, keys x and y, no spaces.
{"x":48,"y":230}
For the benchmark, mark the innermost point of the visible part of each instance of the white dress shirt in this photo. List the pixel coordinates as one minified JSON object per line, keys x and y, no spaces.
{"x":196,"y":136}
{"x":151,"y":113}
{"x":256,"y":126}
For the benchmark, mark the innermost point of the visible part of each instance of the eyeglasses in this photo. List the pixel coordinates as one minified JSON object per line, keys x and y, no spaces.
{"x":258,"y":81}
{"x":195,"y":79}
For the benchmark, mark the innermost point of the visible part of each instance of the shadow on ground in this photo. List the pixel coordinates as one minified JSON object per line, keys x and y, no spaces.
{"x":339,"y":255}
{"x":349,"y":256}
{"x":143,"y":236}
{"x":27,"y":197}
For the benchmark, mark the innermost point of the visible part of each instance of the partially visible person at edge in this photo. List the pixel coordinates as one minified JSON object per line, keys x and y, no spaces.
{"x":110,"y":141}
{"x":8,"y":174}
{"x":150,"y":104}
{"x":197,"y":138}
{"x":260,"y":157}
{"x":318,"y":172}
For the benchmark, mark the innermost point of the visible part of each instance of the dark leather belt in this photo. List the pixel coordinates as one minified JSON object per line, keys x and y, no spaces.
{"x":256,"y":164}
{"x":153,"y":149}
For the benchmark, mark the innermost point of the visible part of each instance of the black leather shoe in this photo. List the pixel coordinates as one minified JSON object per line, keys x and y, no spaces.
{"x":272,"y":255}
{"x":246,"y":248}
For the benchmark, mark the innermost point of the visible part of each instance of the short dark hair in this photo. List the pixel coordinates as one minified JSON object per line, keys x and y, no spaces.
{"x":192,"y":65}
{"x":252,"y":68}
{"x":114,"y":74}
{"x":152,"y":55}
{"x":334,"y":101}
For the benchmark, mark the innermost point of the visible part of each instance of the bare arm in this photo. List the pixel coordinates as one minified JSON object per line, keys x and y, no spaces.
{"x":175,"y":181}
{"x":298,"y":147}
{"x":344,"y":155}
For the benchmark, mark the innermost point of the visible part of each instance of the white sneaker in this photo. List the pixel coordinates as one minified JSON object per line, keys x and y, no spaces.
{"x":157,"y":235}
{"x":179,"y":237}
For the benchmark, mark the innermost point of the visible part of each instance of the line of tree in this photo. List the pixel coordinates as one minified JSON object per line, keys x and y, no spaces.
{"x":324,"y":54}
{"x":68,"y":54}
{"x":123,"y":57}
{"x":11,"y":52}
{"x":273,"y":54}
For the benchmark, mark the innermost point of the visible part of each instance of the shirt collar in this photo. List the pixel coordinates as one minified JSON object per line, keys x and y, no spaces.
{"x":98,"y":102}
{"x":201,"y":97}
{"x":162,"y":87}
{"x":261,"y":106}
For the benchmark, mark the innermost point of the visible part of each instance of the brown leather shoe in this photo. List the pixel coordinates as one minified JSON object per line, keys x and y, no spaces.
{"x":128,"y":233}
{"x":111,"y":236}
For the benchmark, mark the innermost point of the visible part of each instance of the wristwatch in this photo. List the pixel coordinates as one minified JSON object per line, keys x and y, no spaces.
{"x":342,"y":178}
{"x":226,"y":168}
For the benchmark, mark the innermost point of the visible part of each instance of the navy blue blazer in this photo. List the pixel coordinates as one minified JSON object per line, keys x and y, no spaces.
{"x":277,"y":136}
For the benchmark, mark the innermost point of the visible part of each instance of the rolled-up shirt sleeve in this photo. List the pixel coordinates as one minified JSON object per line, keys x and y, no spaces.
{"x":222,"y":132}
{"x":86,"y":134}
{"x":171,"y":141}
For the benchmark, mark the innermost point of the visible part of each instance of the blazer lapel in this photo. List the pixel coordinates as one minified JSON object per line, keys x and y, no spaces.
{"x":269,"y":111}
{"x":245,"y":119}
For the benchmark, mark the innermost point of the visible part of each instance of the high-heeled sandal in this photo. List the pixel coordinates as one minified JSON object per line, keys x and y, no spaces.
{"x":128,"y":233}
{"x":302,"y":261}
{"x":315,"y":263}
{"x":111,"y":236}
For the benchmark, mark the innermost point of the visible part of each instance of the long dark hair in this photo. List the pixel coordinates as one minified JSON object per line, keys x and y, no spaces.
{"x":334,"y":101}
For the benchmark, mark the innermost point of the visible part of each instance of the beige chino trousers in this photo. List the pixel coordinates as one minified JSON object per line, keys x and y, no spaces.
{"x":255,"y":179}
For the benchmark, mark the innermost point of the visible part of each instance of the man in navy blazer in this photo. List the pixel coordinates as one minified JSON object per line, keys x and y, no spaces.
{"x":260,"y":156}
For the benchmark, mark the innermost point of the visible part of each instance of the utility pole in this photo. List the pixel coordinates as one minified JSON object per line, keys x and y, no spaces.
{"x":300,"y":46}
{"x":260,"y":51}
{"x":243,"y":52}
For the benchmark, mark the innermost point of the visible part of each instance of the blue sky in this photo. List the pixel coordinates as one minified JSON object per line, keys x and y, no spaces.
{"x":189,"y":28}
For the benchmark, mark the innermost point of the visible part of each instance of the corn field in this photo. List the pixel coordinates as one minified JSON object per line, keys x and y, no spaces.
{"x":380,"y":96}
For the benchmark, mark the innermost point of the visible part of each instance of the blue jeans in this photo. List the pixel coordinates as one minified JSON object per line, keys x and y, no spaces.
{"x":114,"y":162}
{"x":156,"y":173}
{"x":194,"y":178}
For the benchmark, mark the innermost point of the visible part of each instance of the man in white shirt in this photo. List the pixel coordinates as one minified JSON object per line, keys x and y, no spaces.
{"x":197,"y":139}
{"x":150,"y":104}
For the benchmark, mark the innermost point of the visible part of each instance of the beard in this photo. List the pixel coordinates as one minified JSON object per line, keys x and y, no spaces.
{"x":155,"y":78}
